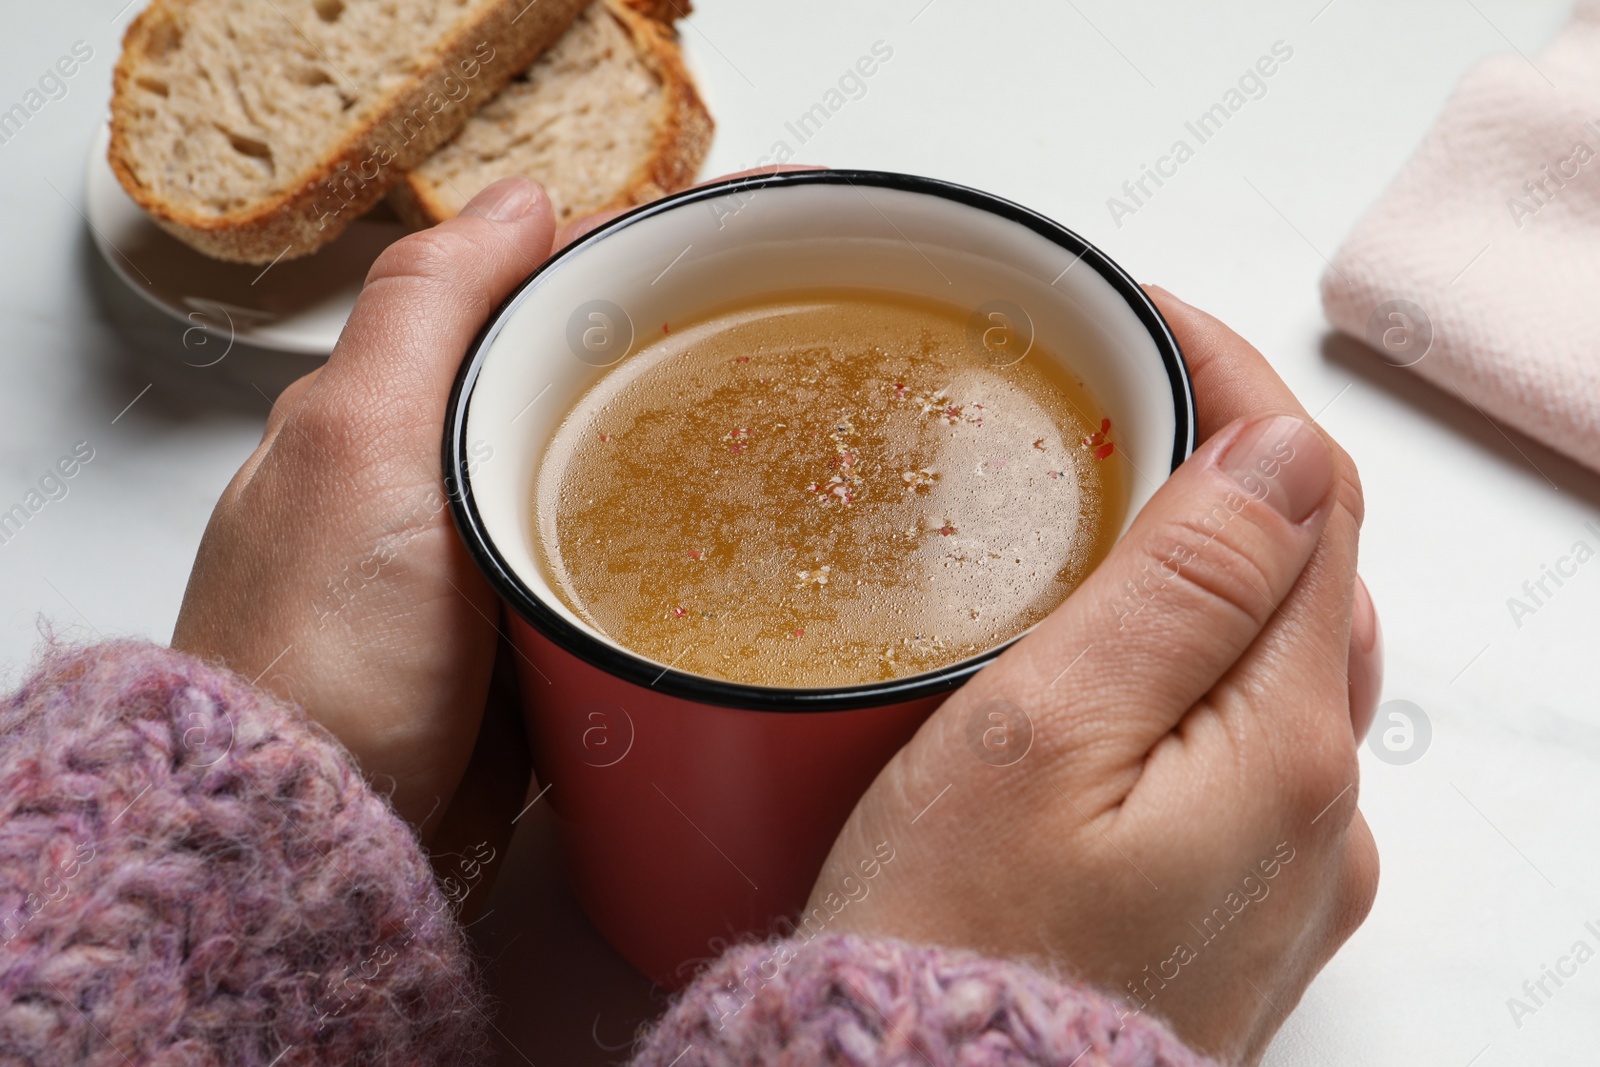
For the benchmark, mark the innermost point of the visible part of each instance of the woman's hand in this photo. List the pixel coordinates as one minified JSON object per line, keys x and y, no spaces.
{"x":330,"y":571}
{"x":1156,"y":789}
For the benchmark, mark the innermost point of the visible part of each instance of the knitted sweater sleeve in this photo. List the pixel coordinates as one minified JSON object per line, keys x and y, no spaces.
{"x":846,"y":1001}
{"x":193,"y":872}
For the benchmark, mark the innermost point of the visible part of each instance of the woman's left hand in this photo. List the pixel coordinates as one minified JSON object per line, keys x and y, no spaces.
{"x":331,"y":572}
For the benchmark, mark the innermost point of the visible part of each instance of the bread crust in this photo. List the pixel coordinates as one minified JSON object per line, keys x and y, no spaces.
{"x":662,"y":10}
{"x":363,"y":164}
{"x":681,"y":142}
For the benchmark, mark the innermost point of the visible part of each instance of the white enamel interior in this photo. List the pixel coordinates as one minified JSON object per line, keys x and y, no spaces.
{"x":699,"y":255}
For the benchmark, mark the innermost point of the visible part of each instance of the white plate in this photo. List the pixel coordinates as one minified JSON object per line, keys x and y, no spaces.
{"x":298,"y":306}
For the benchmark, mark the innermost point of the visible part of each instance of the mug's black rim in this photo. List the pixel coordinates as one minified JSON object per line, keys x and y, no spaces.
{"x":697,"y":688}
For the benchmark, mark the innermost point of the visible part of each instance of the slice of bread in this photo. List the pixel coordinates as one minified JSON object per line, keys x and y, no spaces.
{"x":258,"y":131}
{"x":665,"y":10}
{"x":607,"y":118}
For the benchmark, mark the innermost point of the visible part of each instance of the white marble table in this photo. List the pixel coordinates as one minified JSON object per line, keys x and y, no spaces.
{"x":1490,"y":864}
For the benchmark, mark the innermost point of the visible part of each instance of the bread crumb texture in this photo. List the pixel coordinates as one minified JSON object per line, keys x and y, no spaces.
{"x":607,"y":117}
{"x":232,"y":102}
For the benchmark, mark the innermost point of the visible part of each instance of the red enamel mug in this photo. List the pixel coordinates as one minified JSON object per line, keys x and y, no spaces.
{"x":690,"y":810}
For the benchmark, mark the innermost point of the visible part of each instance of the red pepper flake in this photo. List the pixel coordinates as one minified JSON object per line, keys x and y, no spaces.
{"x":799,"y":633}
{"x":605,"y":437}
{"x":1039,"y":444}
{"x":1097,"y":441}
{"x":1058,"y":475}
{"x":664,"y":328}
{"x":679,"y":612}
{"x":900,"y":390}
{"x":736,"y":449}
{"x":695,"y":553}
{"x":947,"y":529}
{"x":742,"y":359}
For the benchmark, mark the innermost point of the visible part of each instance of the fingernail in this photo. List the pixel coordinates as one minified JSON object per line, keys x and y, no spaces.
{"x":1152,"y":287}
{"x":1364,"y":618}
{"x":506,"y":200}
{"x":1282,"y":461}
{"x":1366,"y":661}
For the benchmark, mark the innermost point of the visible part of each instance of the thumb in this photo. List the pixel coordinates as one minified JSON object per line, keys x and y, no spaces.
{"x":425,"y":299}
{"x":1184,"y":593}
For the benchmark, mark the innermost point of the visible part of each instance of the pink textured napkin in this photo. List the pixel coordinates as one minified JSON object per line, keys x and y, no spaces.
{"x":1479,"y":267}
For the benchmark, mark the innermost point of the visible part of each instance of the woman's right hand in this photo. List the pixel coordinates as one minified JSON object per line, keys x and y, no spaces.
{"x":1155,"y":790}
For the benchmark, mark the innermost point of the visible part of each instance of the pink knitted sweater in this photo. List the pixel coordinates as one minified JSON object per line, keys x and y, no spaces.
{"x":193,"y":873}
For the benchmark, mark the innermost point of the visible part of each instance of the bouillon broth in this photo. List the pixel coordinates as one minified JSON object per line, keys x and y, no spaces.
{"x":823,"y":489}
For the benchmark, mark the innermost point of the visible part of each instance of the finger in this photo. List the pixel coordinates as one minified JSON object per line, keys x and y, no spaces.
{"x":424,"y":300}
{"x":1182,"y":595}
{"x":575,"y":229}
{"x":1311,"y":668}
{"x":770,"y":168}
{"x":1366,"y":660}
{"x":571,"y":231}
{"x":1231,"y":377}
